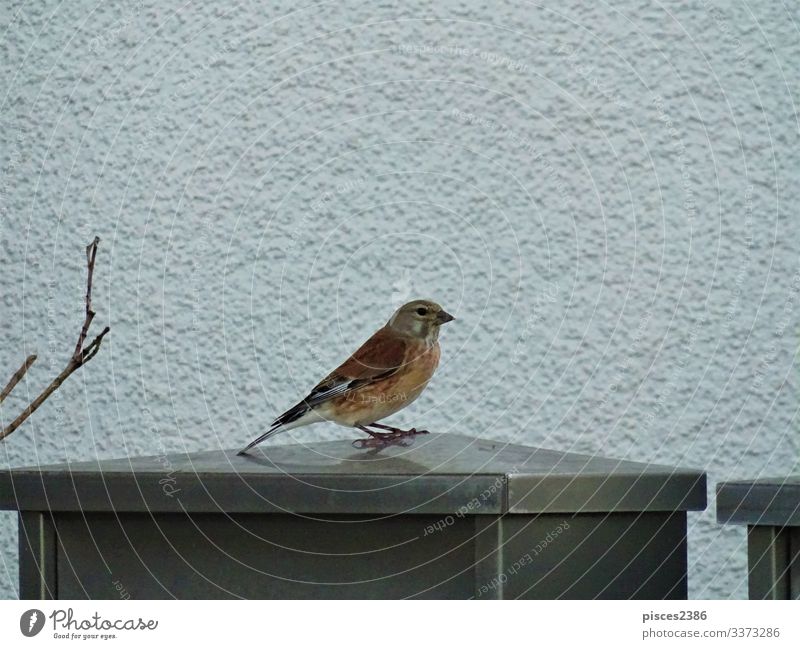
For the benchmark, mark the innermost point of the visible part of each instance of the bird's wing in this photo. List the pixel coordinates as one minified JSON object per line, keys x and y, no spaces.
{"x":378,"y":358}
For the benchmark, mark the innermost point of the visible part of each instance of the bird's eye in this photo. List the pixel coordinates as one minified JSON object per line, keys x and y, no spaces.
{"x":422,"y":311}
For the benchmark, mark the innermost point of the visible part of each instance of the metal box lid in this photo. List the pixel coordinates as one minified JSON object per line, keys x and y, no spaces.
{"x":438,"y":473}
{"x":767,"y":501}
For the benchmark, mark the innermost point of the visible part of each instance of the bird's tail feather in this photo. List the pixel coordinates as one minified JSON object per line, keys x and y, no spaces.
{"x":276,"y":428}
{"x":279,"y":425}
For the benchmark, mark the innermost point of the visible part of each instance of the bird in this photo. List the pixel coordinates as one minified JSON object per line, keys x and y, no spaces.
{"x":383,"y":376}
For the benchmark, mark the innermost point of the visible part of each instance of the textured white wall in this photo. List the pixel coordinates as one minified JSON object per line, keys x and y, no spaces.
{"x":605,"y":196}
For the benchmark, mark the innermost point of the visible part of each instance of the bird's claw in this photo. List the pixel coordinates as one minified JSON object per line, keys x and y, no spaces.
{"x":382,"y":440}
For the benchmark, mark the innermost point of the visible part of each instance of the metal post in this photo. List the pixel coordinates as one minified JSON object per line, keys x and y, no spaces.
{"x":37,"y":556}
{"x":768,"y":561}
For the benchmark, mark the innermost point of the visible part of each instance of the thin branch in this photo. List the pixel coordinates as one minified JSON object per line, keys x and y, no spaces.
{"x":17,"y":377}
{"x":93,"y":347}
{"x":91,"y":253}
{"x":38,"y":401}
{"x":80,"y":356}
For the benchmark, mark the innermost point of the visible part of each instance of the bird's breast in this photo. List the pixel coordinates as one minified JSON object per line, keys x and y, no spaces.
{"x":419,"y":367}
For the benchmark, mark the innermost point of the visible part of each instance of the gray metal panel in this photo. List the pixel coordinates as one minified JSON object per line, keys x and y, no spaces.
{"x":620,"y":556}
{"x":257,"y":494}
{"x":267,"y":557}
{"x":768,"y":573}
{"x":594,"y":556}
{"x":37,"y":556}
{"x":488,"y":545}
{"x":771,"y":501}
{"x":439,"y":473}
{"x":794,"y":563}
{"x":616,"y":491}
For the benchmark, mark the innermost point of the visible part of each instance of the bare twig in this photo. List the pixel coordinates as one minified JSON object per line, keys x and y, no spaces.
{"x":80,"y":356}
{"x":17,"y":377}
{"x":91,"y":253}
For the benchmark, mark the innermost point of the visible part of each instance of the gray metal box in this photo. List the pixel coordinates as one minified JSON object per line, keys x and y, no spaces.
{"x":447,"y":517}
{"x":770,"y":507}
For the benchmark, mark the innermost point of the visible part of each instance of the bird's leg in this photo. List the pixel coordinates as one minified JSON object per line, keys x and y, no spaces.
{"x":376,"y":440}
{"x":375,"y":434}
{"x":399,"y":432}
{"x":395,"y":437}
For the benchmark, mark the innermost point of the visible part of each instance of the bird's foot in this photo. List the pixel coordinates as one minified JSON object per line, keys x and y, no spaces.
{"x":394,"y":437}
{"x":397,"y":432}
{"x":378,"y":443}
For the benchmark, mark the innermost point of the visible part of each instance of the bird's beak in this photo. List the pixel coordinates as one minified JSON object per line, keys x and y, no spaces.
{"x":444,"y":316}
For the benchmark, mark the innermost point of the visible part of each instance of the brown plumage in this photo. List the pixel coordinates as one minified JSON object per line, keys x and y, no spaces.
{"x":384,"y":375}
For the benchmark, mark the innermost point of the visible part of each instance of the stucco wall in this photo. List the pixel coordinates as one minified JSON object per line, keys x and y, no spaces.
{"x":606,"y":197}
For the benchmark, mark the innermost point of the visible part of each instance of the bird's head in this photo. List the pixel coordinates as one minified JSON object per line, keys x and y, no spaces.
{"x":419,"y":319}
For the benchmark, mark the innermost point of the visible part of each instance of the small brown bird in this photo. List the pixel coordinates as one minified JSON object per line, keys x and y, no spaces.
{"x":383,"y":376}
